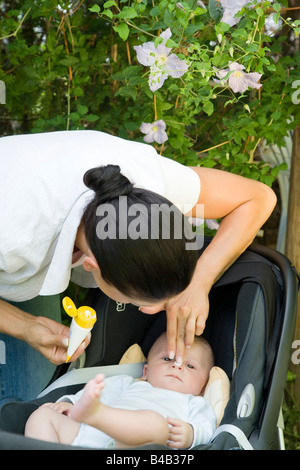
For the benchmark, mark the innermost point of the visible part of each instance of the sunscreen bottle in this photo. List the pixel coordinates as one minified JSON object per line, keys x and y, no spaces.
{"x":83,"y":320}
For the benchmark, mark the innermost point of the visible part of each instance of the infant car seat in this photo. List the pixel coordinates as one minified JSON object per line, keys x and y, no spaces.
{"x":250,"y":327}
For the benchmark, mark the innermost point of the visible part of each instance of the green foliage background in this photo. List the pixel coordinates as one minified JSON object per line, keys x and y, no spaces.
{"x":71,"y":65}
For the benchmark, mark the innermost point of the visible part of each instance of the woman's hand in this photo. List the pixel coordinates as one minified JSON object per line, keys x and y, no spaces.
{"x":186,"y":317}
{"x":51,"y":339}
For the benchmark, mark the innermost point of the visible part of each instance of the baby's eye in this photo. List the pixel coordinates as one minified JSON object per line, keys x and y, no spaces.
{"x":166,"y":358}
{"x":190,"y":366}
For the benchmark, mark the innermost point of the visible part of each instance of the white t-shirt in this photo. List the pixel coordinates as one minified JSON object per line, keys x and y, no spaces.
{"x":43,"y":198}
{"x":125,"y":392}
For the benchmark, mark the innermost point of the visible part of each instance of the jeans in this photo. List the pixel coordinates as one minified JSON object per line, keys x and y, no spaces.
{"x":24,"y":372}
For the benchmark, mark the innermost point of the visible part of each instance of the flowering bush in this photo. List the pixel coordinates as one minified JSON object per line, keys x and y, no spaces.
{"x":230,"y":87}
{"x":206,"y":82}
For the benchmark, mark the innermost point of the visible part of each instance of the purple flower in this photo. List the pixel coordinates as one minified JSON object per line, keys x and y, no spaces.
{"x":154,"y":132}
{"x":238,"y":80}
{"x":160,"y":60}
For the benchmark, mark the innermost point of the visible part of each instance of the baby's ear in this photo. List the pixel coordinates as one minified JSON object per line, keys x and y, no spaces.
{"x":145,"y":370}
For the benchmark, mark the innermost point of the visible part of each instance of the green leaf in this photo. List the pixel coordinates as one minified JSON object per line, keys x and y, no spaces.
{"x":127,"y":92}
{"x":110,"y":3}
{"x":91,"y":118}
{"x":95,"y":9}
{"x":171,"y":43}
{"x":276,"y":7}
{"x":69,"y":61}
{"x":122,"y":30}
{"x":77,"y":91}
{"x":51,"y":41}
{"x":74,"y":116}
{"x":82,"y":109}
{"x":158,"y":41}
{"x":276,"y":115}
{"x":175,"y":142}
{"x":208,"y":108}
{"x":108,"y":13}
{"x":267,"y":179}
{"x":127,"y":13}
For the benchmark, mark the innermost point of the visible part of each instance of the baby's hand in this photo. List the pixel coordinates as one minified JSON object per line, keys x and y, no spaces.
{"x":62,"y":407}
{"x":181,"y":434}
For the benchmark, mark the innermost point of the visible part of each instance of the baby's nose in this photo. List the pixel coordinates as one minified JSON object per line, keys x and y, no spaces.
{"x":177,"y":365}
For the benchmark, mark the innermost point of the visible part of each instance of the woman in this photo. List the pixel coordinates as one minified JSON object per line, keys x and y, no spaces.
{"x":46,"y":228}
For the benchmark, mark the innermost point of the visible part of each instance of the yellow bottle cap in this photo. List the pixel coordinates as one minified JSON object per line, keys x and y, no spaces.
{"x":85,"y":317}
{"x":69,"y":307}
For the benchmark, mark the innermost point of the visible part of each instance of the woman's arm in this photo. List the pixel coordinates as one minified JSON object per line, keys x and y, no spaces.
{"x":243,"y":205}
{"x":47,"y":336}
{"x":13,"y":321}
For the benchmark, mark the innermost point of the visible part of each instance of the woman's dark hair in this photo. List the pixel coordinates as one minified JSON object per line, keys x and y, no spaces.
{"x":139,"y":240}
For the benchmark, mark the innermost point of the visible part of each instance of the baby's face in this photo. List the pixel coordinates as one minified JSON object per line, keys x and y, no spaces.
{"x":162,"y":372}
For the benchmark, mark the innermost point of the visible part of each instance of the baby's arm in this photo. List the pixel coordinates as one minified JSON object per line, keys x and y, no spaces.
{"x":181,"y":434}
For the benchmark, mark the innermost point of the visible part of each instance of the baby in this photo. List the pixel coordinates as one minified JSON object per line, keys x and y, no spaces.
{"x":124,"y":412}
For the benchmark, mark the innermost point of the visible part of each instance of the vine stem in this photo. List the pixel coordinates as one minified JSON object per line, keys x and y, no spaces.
{"x":69,"y":105}
{"x":19,"y":26}
{"x":155,"y":108}
{"x":214,"y":147}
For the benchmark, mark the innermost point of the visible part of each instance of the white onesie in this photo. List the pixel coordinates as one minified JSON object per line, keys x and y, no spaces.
{"x":122,"y":391}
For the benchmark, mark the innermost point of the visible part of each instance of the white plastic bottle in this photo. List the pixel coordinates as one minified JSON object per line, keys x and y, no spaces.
{"x":83,"y":320}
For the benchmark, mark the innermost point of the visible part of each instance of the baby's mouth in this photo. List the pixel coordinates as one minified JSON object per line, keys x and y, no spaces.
{"x":174,"y":377}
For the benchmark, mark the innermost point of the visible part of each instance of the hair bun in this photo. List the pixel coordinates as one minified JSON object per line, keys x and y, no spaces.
{"x":107,"y":182}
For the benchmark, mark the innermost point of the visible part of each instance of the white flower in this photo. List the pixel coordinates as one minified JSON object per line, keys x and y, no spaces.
{"x":160,"y":60}
{"x":231,"y":8}
{"x":238,"y":80}
{"x":271,"y":26}
{"x":212,"y":224}
{"x":154,"y":132}
{"x":201,"y":4}
{"x":196,"y":221}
